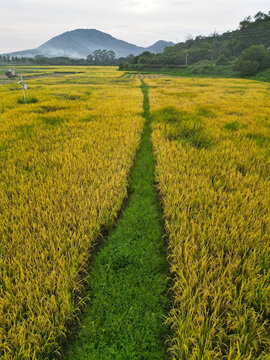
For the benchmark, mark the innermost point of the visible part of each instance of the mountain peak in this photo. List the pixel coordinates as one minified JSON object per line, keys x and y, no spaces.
{"x":79,"y":43}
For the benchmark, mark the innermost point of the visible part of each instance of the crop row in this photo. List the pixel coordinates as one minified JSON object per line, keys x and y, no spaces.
{"x":212,"y":144}
{"x":64,"y":160}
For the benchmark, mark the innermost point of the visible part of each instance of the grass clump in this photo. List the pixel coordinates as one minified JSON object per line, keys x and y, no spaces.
{"x":24,"y":131}
{"x":189,"y":134}
{"x":232,"y":126}
{"x":53,"y":120}
{"x":29,"y":100}
{"x":180,"y":125}
{"x":169,"y":115}
{"x":260,"y":139}
{"x":69,"y":96}
{"x":204,"y":112}
{"x":89,"y":118}
{"x":48,"y":108}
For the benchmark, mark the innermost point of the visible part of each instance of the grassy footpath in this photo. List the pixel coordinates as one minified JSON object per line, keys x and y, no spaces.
{"x":127,"y":279}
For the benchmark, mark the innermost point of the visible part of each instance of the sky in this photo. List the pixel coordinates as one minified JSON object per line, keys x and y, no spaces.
{"x":26,"y":24}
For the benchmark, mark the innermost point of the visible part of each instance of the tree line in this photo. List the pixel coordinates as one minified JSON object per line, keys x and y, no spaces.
{"x":98,"y":57}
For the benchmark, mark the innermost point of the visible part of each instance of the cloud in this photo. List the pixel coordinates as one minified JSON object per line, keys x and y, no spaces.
{"x":133,"y":3}
{"x":179,"y":3}
{"x":29,"y":23}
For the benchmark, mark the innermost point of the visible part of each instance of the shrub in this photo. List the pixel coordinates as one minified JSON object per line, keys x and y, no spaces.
{"x":249,"y":67}
{"x":226,"y":52}
{"x":122,"y":66}
{"x":222,"y":60}
{"x":202,"y":67}
{"x":252,"y":60}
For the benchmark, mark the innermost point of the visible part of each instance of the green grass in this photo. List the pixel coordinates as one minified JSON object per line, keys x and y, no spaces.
{"x":127,"y":276}
{"x":53,"y":120}
{"x":260,"y":139}
{"x":24,"y":131}
{"x":262,"y":76}
{"x":183,"y":126}
{"x":232,"y":126}
{"x":29,"y":100}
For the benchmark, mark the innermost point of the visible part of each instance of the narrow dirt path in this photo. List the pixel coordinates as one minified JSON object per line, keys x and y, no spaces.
{"x":127,"y":277}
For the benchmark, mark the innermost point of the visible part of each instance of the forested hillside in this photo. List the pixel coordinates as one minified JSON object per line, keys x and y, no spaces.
{"x":218,"y":48}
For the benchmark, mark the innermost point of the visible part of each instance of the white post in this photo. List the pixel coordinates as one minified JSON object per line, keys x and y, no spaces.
{"x":24,"y":86}
{"x":24,"y":96}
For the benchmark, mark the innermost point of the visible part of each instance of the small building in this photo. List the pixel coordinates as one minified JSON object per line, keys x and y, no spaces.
{"x":11,"y":73}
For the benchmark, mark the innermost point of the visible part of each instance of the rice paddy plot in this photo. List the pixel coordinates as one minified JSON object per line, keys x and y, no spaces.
{"x":213,"y":160}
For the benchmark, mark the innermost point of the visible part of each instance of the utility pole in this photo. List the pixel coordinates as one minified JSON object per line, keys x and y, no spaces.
{"x":213,"y":46}
{"x":187,"y":59}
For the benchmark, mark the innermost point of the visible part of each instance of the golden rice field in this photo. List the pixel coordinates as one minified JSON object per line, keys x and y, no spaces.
{"x":212,"y":144}
{"x":63,"y":176}
{"x":64,"y":162}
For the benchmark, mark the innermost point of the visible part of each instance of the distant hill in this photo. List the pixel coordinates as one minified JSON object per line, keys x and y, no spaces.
{"x":81,"y":42}
{"x":159,"y":46}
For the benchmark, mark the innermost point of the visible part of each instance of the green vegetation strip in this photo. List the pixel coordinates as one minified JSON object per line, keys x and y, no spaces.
{"x":127,"y":279}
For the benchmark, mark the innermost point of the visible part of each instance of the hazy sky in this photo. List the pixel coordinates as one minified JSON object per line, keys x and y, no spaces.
{"x":26,"y":24}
